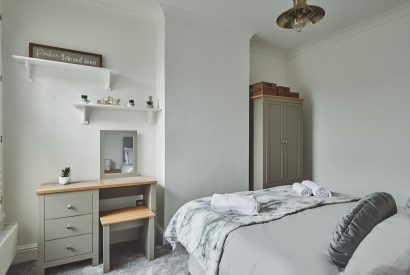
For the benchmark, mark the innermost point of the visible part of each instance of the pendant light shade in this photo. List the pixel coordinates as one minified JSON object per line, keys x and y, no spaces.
{"x":300,"y":16}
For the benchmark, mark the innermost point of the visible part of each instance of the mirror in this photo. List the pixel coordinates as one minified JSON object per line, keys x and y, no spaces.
{"x":118,"y":156}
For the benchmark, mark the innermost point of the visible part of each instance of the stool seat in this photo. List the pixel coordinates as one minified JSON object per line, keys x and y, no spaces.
{"x":125,"y":215}
{"x":108,"y":218}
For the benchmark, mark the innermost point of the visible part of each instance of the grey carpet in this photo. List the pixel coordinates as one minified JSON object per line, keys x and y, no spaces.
{"x":126,"y":258}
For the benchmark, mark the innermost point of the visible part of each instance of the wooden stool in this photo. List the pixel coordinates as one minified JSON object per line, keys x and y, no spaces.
{"x":125,"y":215}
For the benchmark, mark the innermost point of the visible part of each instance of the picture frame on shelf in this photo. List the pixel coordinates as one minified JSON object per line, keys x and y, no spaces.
{"x":65,"y":55}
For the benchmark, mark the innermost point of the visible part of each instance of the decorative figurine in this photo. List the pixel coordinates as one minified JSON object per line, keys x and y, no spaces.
{"x":131,"y":103}
{"x":109,"y":101}
{"x":150,"y":103}
{"x":84,"y":99}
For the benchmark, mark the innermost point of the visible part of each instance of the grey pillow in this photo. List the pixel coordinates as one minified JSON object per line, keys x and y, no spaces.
{"x":357,"y":223}
{"x":385,"y":250}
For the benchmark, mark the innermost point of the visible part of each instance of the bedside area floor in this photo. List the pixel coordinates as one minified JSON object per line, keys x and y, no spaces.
{"x":126,"y":258}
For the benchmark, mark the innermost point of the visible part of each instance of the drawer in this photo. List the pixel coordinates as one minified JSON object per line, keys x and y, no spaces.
{"x":68,"y":247}
{"x":69,"y":204}
{"x":68,"y":227}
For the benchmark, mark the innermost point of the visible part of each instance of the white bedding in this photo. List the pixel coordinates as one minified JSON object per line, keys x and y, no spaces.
{"x":294,"y":245}
{"x":203,"y":230}
{"x":127,"y":168}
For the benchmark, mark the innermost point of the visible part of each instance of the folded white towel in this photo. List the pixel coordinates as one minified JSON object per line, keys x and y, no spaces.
{"x":302,"y":190}
{"x":317,"y":190}
{"x":246,"y":205}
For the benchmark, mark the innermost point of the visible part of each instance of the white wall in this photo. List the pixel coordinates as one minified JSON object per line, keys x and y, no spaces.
{"x":43,"y":130}
{"x":268,"y":64}
{"x":2,"y":211}
{"x":160,"y":130}
{"x":207,"y":109}
{"x":356,"y":90}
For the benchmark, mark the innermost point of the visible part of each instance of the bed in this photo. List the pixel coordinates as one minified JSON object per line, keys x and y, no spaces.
{"x":292,"y":243}
{"x":296,"y":244}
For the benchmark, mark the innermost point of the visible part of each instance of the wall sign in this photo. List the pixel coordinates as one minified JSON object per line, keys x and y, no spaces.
{"x":64,"y":55}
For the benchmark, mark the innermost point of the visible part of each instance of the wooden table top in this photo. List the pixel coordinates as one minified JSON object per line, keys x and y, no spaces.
{"x":51,"y":188}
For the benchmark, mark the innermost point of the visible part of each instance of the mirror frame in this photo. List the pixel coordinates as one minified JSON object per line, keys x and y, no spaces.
{"x":103,"y":134}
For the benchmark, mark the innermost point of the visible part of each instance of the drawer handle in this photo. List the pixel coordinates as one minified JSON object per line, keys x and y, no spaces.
{"x":69,"y":247}
{"x":69,"y":206}
{"x":69,"y":226}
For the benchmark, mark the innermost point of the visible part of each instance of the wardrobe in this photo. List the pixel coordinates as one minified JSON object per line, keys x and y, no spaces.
{"x":276,"y":141}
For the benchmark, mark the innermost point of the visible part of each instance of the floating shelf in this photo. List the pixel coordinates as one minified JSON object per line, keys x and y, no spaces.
{"x":86,"y":108}
{"x":30,"y":62}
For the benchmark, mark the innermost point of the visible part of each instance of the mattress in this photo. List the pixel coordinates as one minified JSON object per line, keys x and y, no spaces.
{"x":296,"y":244}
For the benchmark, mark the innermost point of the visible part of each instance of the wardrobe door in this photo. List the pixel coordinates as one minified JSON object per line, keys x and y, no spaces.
{"x":273,"y":143}
{"x":293,"y":143}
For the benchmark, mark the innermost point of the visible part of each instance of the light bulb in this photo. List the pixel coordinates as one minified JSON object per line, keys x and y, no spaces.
{"x":299,"y":23}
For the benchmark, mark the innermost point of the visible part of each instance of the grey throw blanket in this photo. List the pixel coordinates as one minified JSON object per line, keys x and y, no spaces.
{"x":203,"y":230}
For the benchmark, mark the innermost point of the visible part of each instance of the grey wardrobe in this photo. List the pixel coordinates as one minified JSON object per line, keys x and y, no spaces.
{"x":276,"y":141}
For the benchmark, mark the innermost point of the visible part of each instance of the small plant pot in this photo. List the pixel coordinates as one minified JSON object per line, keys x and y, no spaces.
{"x":64,"y":180}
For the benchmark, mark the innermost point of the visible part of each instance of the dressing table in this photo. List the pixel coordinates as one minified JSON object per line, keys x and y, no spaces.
{"x":69,"y":218}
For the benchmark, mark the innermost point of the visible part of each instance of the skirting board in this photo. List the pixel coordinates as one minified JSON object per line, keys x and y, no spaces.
{"x":28,"y":252}
{"x":25,"y":253}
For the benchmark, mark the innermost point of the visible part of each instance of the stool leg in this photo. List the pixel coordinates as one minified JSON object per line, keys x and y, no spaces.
{"x":106,"y":248}
{"x":40,"y":270}
{"x":149,"y":239}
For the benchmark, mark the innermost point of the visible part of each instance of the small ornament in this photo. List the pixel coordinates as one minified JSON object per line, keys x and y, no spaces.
{"x":131,"y":103}
{"x":84,"y":99}
{"x":109,"y":101}
{"x":150,"y":103}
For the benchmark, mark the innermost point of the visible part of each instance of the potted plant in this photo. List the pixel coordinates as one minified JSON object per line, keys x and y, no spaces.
{"x":65,"y":176}
{"x":131,"y":103}
{"x":150,"y":103}
{"x":84,"y":99}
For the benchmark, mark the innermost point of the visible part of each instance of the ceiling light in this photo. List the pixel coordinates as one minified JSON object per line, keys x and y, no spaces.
{"x":300,"y":16}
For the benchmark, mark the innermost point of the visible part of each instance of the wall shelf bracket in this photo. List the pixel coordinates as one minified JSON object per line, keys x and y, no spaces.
{"x":29,"y":71}
{"x":108,"y":81}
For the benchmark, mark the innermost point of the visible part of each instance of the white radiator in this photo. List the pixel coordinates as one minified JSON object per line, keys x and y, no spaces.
{"x":8,"y":245}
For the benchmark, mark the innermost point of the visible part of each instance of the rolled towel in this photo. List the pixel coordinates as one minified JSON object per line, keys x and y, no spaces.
{"x":302,"y":190}
{"x":246,"y":205}
{"x":317,"y":190}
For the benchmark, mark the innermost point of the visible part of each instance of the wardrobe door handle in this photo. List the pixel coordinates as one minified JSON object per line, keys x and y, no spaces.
{"x":69,"y":226}
{"x":68,"y":247}
{"x":69,"y":206}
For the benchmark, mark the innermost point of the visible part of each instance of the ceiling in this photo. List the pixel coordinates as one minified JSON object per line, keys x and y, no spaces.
{"x":261,"y":15}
